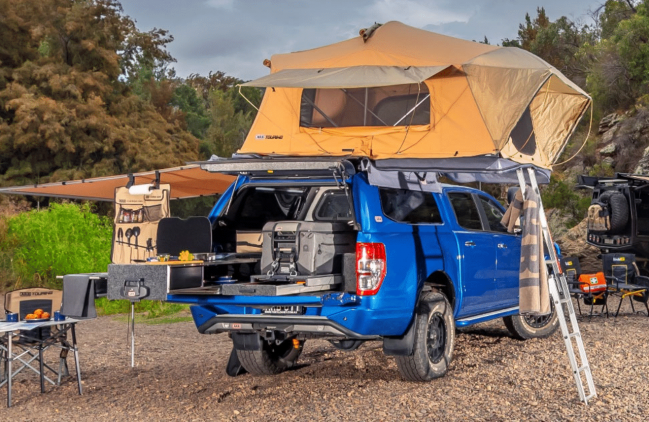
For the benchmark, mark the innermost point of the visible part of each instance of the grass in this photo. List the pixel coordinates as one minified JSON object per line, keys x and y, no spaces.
{"x":148,"y":309}
{"x":140,"y":318}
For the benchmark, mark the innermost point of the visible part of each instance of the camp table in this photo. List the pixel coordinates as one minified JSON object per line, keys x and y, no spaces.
{"x":26,"y":353}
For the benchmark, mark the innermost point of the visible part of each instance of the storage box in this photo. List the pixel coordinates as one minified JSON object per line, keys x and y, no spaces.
{"x":306,"y":247}
{"x":157,"y":279}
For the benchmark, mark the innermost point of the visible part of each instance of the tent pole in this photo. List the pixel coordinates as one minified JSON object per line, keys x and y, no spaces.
{"x":365,"y":107}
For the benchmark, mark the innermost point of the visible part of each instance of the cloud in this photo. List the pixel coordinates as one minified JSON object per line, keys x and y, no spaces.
{"x":221,"y":4}
{"x":418,"y":13}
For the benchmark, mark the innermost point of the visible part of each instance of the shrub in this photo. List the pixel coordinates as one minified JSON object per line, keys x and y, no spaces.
{"x":561,"y":196}
{"x":63,"y":239}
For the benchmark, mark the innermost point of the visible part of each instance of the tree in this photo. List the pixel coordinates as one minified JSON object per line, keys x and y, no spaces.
{"x":66,"y":109}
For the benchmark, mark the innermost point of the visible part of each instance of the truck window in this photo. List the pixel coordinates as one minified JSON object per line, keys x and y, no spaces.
{"x":407,"y":206}
{"x":256,"y":206}
{"x":333,"y":206}
{"x":494,"y":215}
{"x":465,"y":211}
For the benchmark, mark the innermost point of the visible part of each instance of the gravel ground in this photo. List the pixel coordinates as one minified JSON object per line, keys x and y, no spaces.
{"x":180,"y":376}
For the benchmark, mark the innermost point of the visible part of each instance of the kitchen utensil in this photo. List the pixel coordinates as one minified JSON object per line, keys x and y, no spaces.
{"x":149,"y":245}
{"x":136,"y":233}
{"x":120,"y":236}
{"x":129,"y":234}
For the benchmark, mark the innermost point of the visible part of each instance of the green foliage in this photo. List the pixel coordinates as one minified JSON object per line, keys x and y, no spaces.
{"x":602,"y":170}
{"x":151,"y":308}
{"x":66,"y":106}
{"x":187,"y":100}
{"x":63,"y":239}
{"x":561,"y":196}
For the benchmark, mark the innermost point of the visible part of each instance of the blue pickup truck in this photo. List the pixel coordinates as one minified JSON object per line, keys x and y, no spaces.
{"x":325,"y":254}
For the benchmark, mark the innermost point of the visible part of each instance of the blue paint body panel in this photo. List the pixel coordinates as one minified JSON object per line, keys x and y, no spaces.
{"x":484,"y":281}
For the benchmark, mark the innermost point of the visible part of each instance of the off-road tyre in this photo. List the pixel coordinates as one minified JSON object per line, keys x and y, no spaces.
{"x":619,"y":209}
{"x":527,"y":327}
{"x":272,"y":359}
{"x":434,"y":340}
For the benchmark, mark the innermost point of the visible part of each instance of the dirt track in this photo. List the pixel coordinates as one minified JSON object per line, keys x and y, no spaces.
{"x":180,"y":376}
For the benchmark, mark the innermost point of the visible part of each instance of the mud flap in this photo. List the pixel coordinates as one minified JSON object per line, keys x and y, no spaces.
{"x":246,"y":341}
{"x":234,"y":367}
{"x":401,"y":345}
{"x":404,"y":345}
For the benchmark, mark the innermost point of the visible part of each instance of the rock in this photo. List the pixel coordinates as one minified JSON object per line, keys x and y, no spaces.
{"x":557,"y":221}
{"x":609,"y":121}
{"x":609,"y":135}
{"x":643,"y":164}
{"x":608,"y":149}
{"x":573,"y":243}
{"x":609,"y":161}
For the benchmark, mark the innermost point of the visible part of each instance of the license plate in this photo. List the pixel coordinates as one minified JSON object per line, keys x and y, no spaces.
{"x":284,"y":310}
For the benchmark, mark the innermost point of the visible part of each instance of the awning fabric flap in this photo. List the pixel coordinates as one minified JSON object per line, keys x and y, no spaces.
{"x":186,"y":182}
{"x":347,"y":77}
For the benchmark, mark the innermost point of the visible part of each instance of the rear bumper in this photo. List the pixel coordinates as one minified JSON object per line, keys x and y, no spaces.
{"x":313,"y":325}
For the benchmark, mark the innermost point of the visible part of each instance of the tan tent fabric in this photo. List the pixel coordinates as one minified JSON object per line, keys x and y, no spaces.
{"x":479,"y":96}
{"x":186,"y":182}
{"x":347,"y":77}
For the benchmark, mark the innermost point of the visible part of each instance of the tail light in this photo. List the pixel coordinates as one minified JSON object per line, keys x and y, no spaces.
{"x":370,"y":268}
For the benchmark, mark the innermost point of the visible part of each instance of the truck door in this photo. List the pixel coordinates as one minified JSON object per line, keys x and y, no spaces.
{"x":508,"y":254}
{"x":477,"y":255}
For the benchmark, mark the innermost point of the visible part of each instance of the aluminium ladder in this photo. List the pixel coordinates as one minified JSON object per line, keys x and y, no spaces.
{"x":560,"y":295}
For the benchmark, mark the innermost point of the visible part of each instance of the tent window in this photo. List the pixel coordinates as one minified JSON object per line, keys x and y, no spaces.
{"x":523,"y":134}
{"x":397,"y":105}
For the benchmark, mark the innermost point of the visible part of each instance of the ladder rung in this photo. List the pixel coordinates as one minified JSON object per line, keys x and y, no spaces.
{"x":575,"y":334}
{"x":590,"y":396}
{"x":582,"y":368}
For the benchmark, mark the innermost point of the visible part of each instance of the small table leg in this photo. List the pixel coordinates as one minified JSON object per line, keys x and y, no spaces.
{"x":76,"y":357}
{"x":9,"y":369}
{"x":40,"y":362}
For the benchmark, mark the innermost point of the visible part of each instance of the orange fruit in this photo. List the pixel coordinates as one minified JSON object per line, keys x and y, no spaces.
{"x":30,"y":316}
{"x":38,"y":313}
{"x":45,"y":315}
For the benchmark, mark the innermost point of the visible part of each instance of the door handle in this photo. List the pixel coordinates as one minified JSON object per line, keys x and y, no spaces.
{"x":502,"y":246}
{"x":470,"y":243}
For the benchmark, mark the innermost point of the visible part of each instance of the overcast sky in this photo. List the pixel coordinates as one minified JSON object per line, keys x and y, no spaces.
{"x":235,"y":36}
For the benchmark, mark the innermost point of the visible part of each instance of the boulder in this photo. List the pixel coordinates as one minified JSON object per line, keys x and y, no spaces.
{"x":609,"y":121}
{"x":608,"y":149}
{"x":643,"y":164}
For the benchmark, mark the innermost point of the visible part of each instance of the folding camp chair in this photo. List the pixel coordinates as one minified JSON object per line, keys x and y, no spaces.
{"x":34,"y":342}
{"x":584,"y":286}
{"x":623,"y":278}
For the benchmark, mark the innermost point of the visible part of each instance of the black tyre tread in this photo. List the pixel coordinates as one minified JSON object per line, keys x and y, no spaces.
{"x":519,"y":329}
{"x":619,"y":210}
{"x":260,"y":362}
{"x":416,"y":367}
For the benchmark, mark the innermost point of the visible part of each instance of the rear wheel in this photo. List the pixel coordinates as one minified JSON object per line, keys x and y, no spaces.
{"x":434,"y":340}
{"x":524,"y":327}
{"x":272,"y":359}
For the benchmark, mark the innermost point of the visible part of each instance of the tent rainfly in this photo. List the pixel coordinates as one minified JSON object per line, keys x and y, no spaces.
{"x":186,"y":182}
{"x":408,"y":93}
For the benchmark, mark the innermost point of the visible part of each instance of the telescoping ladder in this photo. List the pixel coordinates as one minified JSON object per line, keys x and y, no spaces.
{"x":561,"y":299}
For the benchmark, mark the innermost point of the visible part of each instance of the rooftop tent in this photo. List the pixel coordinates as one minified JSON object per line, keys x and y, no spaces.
{"x":408,"y":93}
{"x":186,"y":182}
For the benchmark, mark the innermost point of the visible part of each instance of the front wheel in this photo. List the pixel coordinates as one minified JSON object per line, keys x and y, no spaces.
{"x":434,"y":340}
{"x":273,"y":357}
{"x":527,"y":327}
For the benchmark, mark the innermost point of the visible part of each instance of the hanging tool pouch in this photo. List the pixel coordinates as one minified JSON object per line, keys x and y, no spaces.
{"x":136,"y":224}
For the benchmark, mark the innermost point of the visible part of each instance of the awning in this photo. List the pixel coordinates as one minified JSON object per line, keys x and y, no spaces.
{"x":186,"y":182}
{"x":347,"y":77}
